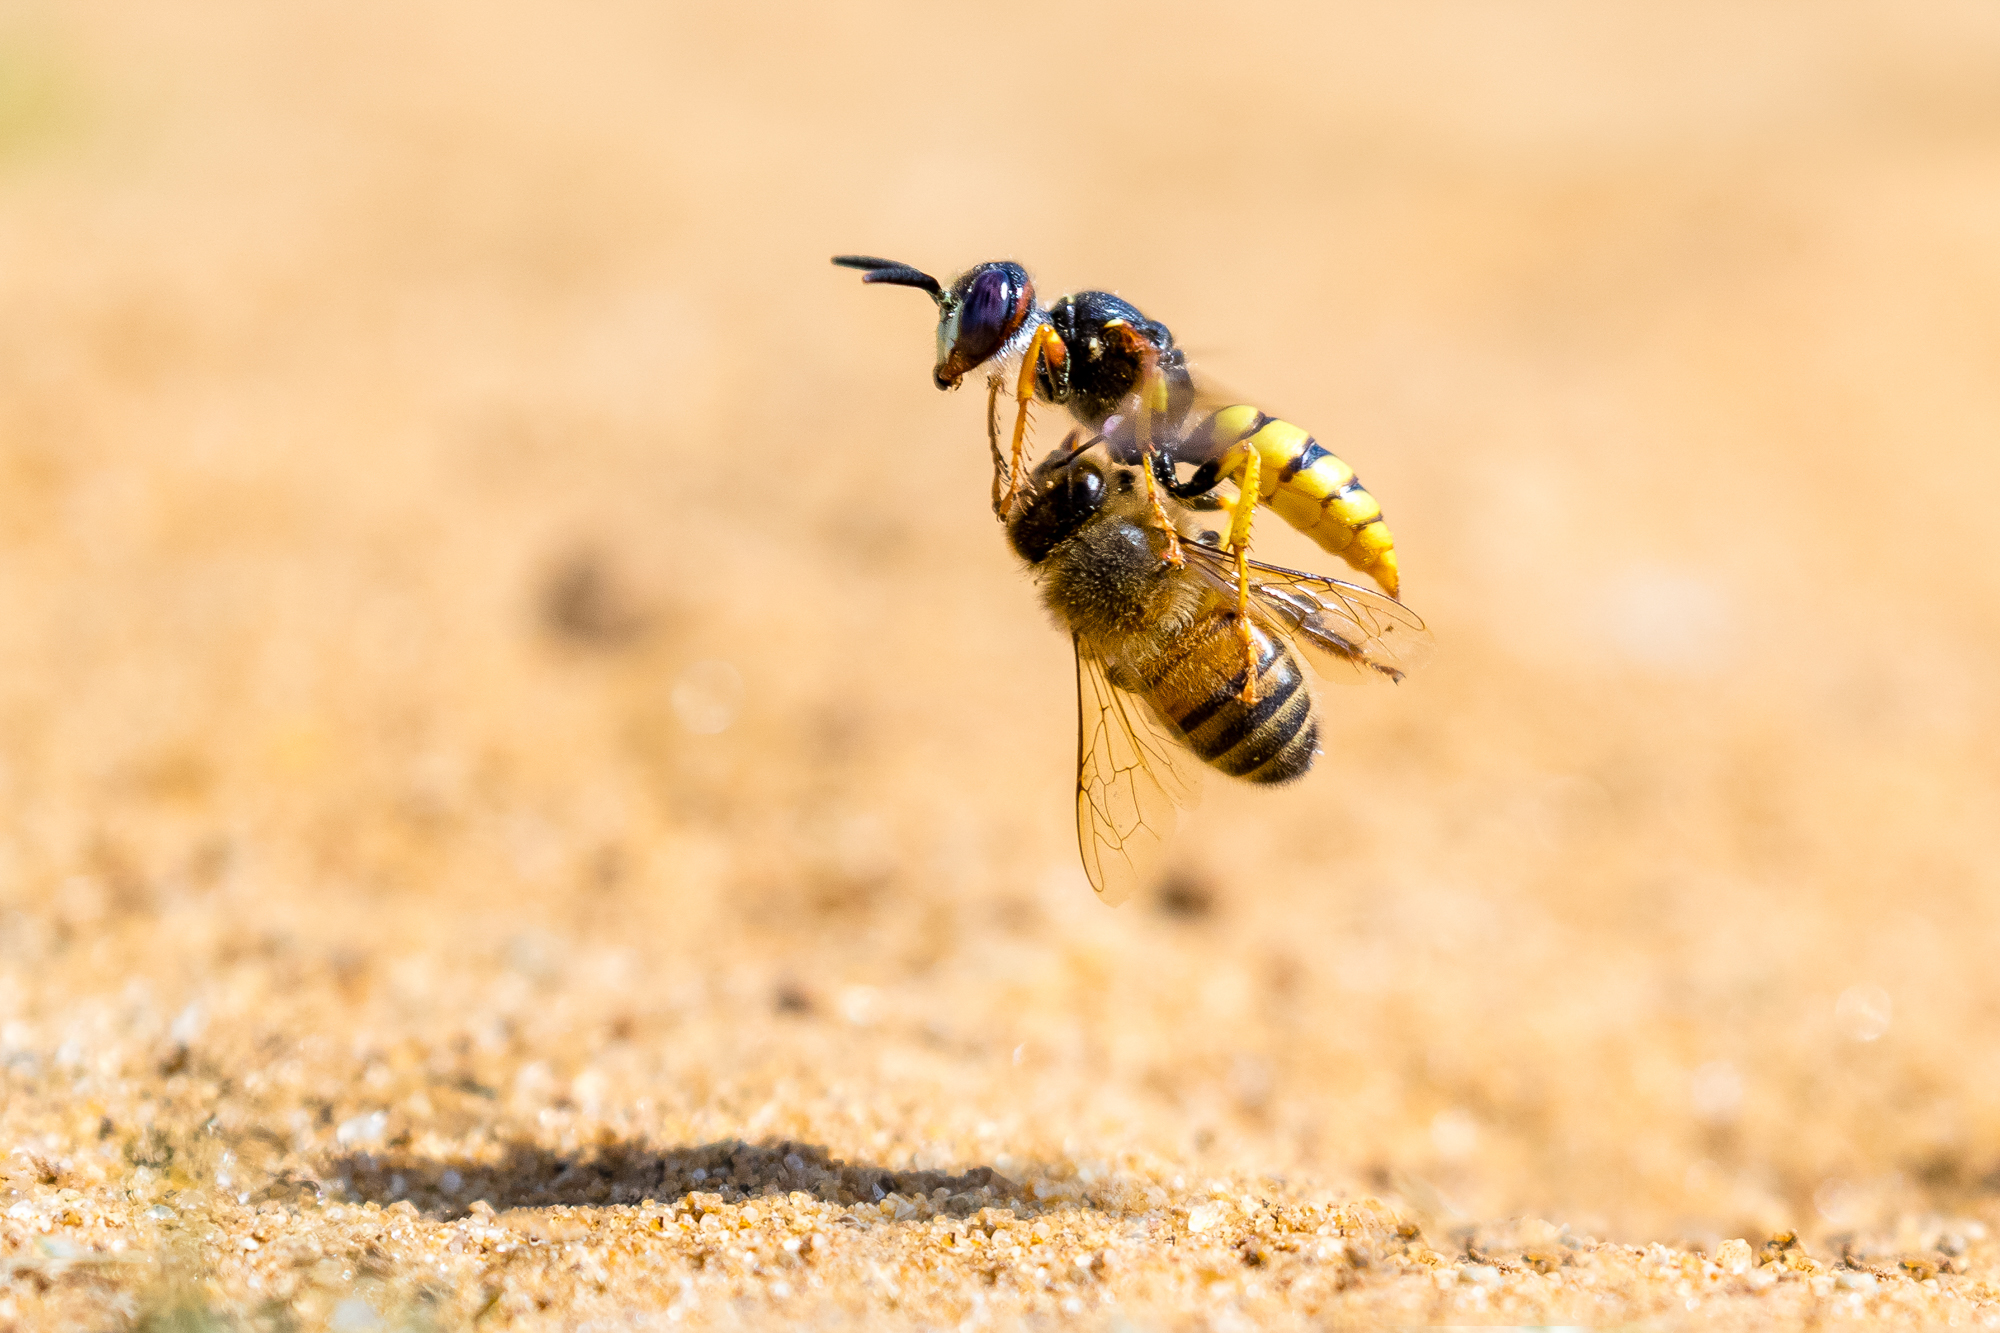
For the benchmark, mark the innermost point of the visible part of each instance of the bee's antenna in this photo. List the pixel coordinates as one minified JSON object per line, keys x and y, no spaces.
{"x":893,"y":272}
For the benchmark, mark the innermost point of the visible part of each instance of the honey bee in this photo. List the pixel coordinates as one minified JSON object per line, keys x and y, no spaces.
{"x":1120,"y":375}
{"x":1166,"y":654}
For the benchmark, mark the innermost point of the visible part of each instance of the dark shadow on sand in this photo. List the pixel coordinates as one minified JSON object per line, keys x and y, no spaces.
{"x":528,"y":1176}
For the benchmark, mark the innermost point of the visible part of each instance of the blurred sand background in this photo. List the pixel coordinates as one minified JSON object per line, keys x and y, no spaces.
{"x":509,"y":684}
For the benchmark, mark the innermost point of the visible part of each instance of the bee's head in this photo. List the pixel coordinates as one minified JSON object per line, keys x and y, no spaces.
{"x":1058,"y":502}
{"x":985,"y":308}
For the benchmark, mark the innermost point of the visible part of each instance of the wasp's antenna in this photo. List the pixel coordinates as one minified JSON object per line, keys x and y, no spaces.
{"x":893,"y":272}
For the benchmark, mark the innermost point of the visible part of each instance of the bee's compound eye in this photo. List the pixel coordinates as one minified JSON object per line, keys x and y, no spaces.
{"x":987,"y":306}
{"x":1052,"y":515}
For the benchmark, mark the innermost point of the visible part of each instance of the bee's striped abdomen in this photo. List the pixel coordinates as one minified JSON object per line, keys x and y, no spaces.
{"x":1197,"y":681}
{"x":1310,"y":488}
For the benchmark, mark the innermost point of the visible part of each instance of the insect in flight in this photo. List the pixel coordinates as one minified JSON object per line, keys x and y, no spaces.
{"x":1161,"y":676}
{"x":1119,"y":374}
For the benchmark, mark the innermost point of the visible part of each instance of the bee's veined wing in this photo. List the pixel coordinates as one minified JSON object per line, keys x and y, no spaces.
{"x":1344,"y":628}
{"x":1132,"y":776}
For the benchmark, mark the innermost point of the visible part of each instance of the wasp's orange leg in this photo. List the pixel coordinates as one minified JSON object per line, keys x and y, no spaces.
{"x":1172,"y":554}
{"x":1044,"y":346}
{"x":1153,"y":403}
{"x":1152,"y":395}
{"x":1248,"y":481}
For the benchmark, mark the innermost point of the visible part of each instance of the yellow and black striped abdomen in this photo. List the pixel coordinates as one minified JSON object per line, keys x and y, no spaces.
{"x":1195,"y":677}
{"x":1311,"y":489}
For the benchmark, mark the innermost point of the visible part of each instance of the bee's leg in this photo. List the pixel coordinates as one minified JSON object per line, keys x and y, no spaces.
{"x":1247,"y":465}
{"x":993,"y":443}
{"x":1044,"y":346}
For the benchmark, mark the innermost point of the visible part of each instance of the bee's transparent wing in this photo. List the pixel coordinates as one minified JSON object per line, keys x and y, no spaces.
{"x":1345,"y":629}
{"x":1132,"y":775}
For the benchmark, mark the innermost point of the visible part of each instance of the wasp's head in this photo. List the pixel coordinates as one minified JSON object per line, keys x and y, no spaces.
{"x":985,"y":309}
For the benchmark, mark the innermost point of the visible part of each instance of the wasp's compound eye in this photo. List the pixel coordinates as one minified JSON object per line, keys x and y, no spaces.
{"x":987,"y":306}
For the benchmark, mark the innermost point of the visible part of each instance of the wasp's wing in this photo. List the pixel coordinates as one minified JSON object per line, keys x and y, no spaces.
{"x":1132,"y":774}
{"x":1344,"y":628}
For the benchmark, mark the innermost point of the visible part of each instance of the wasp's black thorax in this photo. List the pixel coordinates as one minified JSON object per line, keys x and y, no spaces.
{"x":1101,"y":366}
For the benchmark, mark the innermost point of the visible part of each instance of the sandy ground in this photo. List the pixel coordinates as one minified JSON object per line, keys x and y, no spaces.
{"x":537,"y":798}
